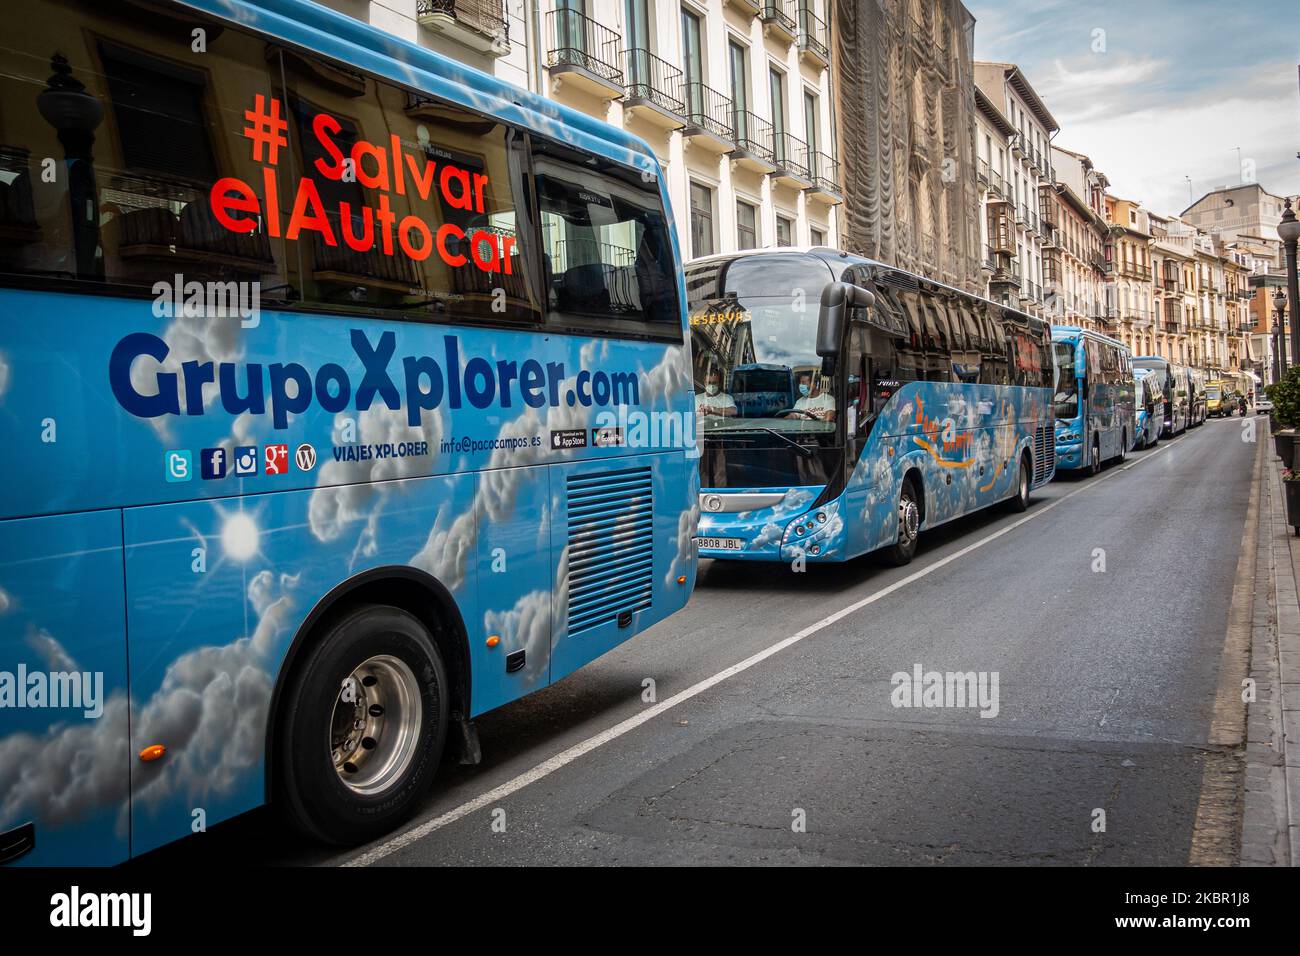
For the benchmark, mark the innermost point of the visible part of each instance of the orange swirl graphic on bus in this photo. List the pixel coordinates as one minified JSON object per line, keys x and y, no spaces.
{"x":933,"y":429}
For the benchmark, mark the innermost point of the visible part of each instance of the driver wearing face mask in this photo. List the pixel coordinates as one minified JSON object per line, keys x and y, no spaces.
{"x":713,"y":400}
{"x":812,"y":401}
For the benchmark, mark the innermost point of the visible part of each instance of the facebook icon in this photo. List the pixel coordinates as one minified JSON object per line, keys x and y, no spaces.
{"x":212,"y":462}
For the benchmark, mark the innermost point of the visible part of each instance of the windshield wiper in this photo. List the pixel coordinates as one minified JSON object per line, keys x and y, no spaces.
{"x":800,"y":447}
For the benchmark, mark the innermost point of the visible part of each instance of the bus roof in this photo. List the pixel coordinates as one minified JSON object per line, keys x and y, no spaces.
{"x":829,"y":254}
{"x":317,"y":28}
{"x":1062,"y":333}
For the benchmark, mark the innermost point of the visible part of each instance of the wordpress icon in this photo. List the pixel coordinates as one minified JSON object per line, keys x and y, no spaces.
{"x":180,"y":465}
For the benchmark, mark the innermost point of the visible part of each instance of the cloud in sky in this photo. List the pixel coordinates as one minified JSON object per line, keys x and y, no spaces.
{"x":1161,"y":91}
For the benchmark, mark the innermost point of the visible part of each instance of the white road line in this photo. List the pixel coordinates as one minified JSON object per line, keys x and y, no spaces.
{"x":566,"y":757}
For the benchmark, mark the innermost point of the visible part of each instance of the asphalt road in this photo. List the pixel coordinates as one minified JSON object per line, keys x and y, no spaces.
{"x":1106,"y":693}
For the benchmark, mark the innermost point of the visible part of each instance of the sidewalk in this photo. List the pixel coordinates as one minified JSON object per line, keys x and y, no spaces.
{"x":1271,"y":815}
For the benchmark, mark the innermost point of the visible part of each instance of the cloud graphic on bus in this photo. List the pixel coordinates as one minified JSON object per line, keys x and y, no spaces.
{"x":210,"y":709}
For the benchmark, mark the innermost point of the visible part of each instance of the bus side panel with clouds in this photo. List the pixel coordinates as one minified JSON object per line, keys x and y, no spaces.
{"x":287,"y":545}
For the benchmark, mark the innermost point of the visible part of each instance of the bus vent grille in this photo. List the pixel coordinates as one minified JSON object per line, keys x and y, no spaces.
{"x":1044,"y":452}
{"x":611,"y":546}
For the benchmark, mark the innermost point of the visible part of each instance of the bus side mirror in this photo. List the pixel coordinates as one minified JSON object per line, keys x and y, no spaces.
{"x":837,"y":299}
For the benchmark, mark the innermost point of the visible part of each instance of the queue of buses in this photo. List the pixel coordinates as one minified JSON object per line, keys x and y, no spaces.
{"x":288,"y":552}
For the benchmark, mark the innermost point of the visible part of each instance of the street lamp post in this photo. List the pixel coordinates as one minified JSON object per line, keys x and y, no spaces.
{"x":1288,"y":231}
{"x":1279,"y":336}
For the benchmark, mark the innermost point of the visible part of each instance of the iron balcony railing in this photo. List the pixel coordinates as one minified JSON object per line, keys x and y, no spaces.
{"x":792,"y":155}
{"x":779,"y":13}
{"x":486,"y":16}
{"x":982,"y":170}
{"x":708,"y":110}
{"x":653,"y":79}
{"x":578,"y":40}
{"x":753,"y":134}
{"x":812,"y":31}
{"x":825,"y":172}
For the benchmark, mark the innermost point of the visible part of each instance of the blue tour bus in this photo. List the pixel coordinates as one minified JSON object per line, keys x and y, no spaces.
{"x":1094,"y":399}
{"x":311,"y":343}
{"x":1148,"y":409}
{"x":913,"y":404}
{"x":1176,"y":389}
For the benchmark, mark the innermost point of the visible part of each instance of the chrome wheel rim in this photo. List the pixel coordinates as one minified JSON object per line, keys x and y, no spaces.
{"x":1024,"y":483}
{"x":375,"y":724}
{"x":909,"y":520}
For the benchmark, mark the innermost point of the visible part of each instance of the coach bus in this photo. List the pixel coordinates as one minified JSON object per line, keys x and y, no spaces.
{"x":1094,"y":399}
{"x":1198,"y":410}
{"x":1176,"y":387}
{"x":312,"y":343}
{"x":912,"y":404}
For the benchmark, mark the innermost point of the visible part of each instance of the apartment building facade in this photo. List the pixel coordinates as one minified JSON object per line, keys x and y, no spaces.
{"x":1131,"y":293}
{"x":1243,"y":213}
{"x":906,"y":104}
{"x":734,"y":96}
{"x":1029,"y":170}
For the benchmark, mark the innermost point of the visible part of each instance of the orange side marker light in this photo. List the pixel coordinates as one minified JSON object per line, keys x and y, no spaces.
{"x":152,"y":753}
{"x":493,"y":641}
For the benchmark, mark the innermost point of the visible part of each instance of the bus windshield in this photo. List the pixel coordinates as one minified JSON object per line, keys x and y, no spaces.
{"x":760,"y":396}
{"x":1067,"y":382}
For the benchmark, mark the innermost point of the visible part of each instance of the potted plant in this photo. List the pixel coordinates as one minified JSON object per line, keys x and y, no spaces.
{"x":1291,"y":484}
{"x":1285,"y":395}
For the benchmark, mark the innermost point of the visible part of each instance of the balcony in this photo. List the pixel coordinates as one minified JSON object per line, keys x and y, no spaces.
{"x":982,"y":171}
{"x":755,"y":149}
{"x":747,"y":7}
{"x":709,"y":117}
{"x":1002,"y":237}
{"x":826,"y":179}
{"x":478,"y":24}
{"x":654,"y":89}
{"x":583,"y":53}
{"x":792,"y":162}
{"x":778,"y":19}
{"x":813,"y":37}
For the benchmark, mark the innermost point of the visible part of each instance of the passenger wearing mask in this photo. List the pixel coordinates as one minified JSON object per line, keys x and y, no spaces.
{"x":713,"y":401}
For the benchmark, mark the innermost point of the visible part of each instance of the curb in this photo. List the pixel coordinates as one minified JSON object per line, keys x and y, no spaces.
{"x":1271,"y":812}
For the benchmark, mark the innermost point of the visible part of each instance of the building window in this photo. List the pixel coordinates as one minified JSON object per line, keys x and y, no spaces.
{"x":784,"y":231}
{"x":739,"y":71}
{"x":818,"y":236}
{"x":810,"y":124}
{"x":776,"y":88}
{"x":701,"y":220}
{"x":746,"y":225}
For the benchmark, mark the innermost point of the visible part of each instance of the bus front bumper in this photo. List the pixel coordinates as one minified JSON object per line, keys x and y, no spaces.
{"x":1069,"y":455}
{"x":769,"y":525}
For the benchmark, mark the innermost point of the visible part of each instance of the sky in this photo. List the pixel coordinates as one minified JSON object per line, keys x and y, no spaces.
{"x":1157,"y":91}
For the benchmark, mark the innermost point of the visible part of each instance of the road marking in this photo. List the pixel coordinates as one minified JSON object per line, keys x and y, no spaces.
{"x":566,"y":757}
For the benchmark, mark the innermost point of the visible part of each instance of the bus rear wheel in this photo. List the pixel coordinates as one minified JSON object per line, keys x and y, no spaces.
{"x":909,"y":526}
{"x":362,"y":727}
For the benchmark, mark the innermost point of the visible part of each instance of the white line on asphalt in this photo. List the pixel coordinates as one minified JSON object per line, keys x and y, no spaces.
{"x":565,"y":757}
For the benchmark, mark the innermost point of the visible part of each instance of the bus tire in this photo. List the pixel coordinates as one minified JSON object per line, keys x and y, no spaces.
{"x":903,"y":550}
{"x":1020,"y":500}
{"x":1094,"y":462}
{"x":1123,"y":446}
{"x":363,"y":726}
